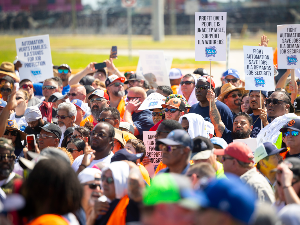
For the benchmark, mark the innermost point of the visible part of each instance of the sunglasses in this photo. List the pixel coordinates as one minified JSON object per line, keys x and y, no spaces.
{"x":274,"y":101}
{"x":5,"y":89}
{"x":76,"y":136}
{"x":186,"y":82}
{"x":45,"y":136}
{"x":101,"y":135}
{"x":9,"y":157}
{"x":167,"y":148}
{"x":12,"y":132}
{"x":104,"y":119}
{"x":71,"y":150}
{"x":235,"y":95}
{"x":108,"y":180}
{"x":231,"y":80}
{"x":62,"y":117}
{"x":63,"y":71}
{"x":73,"y":94}
{"x":294,"y":133}
{"x":48,"y":87}
{"x":93,"y":186}
{"x":132,"y":98}
{"x":201,"y":87}
{"x":170,"y":110}
{"x":157,"y":113}
{"x":117,"y":84}
{"x":27,"y":85}
{"x":97,"y":100}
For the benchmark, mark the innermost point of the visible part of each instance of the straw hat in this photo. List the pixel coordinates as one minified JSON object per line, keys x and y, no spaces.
{"x":7,"y":68}
{"x":12,"y":125}
{"x":227,"y":88}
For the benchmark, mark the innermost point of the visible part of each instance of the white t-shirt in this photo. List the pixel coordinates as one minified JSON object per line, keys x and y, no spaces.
{"x":78,"y":160}
{"x":22,"y":124}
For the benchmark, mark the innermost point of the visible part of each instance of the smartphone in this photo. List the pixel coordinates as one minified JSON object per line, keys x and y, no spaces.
{"x":31,"y":142}
{"x":114,"y":52}
{"x":100,"y":65}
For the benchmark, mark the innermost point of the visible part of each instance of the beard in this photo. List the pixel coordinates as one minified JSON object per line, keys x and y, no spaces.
{"x":62,"y":128}
{"x":119,"y":93}
{"x":96,"y":111}
{"x":4,"y":172}
{"x":241,"y":134}
{"x":238,"y":102}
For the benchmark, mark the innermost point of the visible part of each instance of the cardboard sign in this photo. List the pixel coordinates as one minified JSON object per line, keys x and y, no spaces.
{"x":34,"y":53}
{"x":259,"y":68}
{"x":155,"y":62}
{"x":251,"y":142}
{"x":210,"y":36}
{"x":155,"y":156}
{"x":288,"y":46}
{"x":153,"y":101}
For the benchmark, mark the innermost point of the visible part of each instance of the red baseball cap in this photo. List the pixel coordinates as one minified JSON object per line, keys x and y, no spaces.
{"x":237,"y":150}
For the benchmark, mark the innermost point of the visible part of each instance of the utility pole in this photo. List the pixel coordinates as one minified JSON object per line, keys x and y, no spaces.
{"x":158,"y":28}
{"x":172,"y":12}
{"x":74,"y":16}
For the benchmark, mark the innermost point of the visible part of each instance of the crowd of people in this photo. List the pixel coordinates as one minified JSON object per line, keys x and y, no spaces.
{"x":72,"y":149}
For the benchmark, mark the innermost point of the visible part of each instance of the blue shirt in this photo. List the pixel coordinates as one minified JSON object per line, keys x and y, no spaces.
{"x":143,"y":122}
{"x":167,"y":170}
{"x":39,"y":91}
{"x":256,"y":125}
{"x":225,"y":113}
{"x":66,"y":89}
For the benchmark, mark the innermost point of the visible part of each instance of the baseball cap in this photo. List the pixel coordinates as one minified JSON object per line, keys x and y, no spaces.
{"x":65,"y":65}
{"x":177,"y":137}
{"x":200,"y":71}
{"x":99,"y":93}
{"x":6,"y":143}
{"x":178,"y":96}
{"x":237,"y":150}
{"x":56,"y":96}
{"x":231,"y":196}
{"x":2,"y":103}
{"x":78,"y":103}
{"x":175,"y":74}
{"x":89,"y":89}
{"x":69,"y":131}
{"x":171,"y":188}
{"x":294,"y":124}
{"x":219,"y":141}
{"x":112,"y":78}
{"x":127,"y":126}
{"x":294,"y":165}
{"x":264,"y":93}
{"x":203,"y":148}
{"x":12,"y":125}
{"x":87,"y":80}
{"x":266,"y":149}
{"x":134,"y":77}
{"x":52,"y":128}
{"x":175,"y":103}
{"x":32,"y":113}
{"x":123,"y":154}
{"x":232,"y":72}
{"x":208,"y":80}
{"x":88,"y":174}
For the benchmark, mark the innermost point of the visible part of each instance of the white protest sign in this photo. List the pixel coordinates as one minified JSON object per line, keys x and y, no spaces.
{"x":288,"y":46}
{"x":154,"y":62}
{"x":210,"y":36}
{"x":34,"y":53}
{"x":259,"y":68}
{"x":297,"y":73}
{"x":153,"y":101}
{"x":154,"y":156}
{"x":190,"y":7}
{"x":251,"y":142}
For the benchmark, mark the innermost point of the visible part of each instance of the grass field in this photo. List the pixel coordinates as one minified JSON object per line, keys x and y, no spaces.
{"x":78,"y":60}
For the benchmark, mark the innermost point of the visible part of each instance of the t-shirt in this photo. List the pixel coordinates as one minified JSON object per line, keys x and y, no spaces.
{"x":90,"y":118}
{"x":256,"y":125}
{"x":225,"y":113}
{"x":78,"y":160}
{"x":39,"y":91}
{"x":288,"y":155}
{"x":34,"y":101}
{"x":143,"y":122}
{"x":149,"y":92}
{"x":22,"y":124}
{"x":66,"y":89}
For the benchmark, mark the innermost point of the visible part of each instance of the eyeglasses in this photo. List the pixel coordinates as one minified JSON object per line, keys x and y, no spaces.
{"x":97,"y":100}
{"x":93,"y":186}
{"x":27,"y":85}
{"x":201,"y":87}
{"x":6,"y":156}
{"x":274,"y":101}
{"x":170,"y":110}
{"x":186,"y":82}
{"x":45,"y":136}
{"x":108,"y":180}
{"x":71,"y":150}
{"x":157,"y":113}
{"x":117,"y":84}
{"x":235,"y":95}
{"x":104,"y":119}
{"x":63,"y":71}
{"x":225,"y":158}
{"x":18,"y":98}
{"x":12,"y":132}
{"x":132,"y":98}
{"x":5,"y":89}
{"x":101,"y":135}
{"x":48,"y":87}
{"x":76,"y":136}
{"x":74,"y":94}
{"x":293,"y":132}
{"x":62,"y":117}
{"x":231,"y":80}
{"x":167,"y":148}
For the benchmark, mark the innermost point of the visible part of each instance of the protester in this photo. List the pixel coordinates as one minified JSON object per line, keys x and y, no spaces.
{"x":27,"y":85}
{"x":278,"y":104}
{"x":174,"y":109}
{"x":6,"y":86}
{"x":136,"y":80}
{"x":34,"y":120}
{"x":232,"y":76}
{"x":64,"y":73}
{"x":164,"y":90}
{"x":200,"y":172}
{"x":245,"y":104}
{"x":76,"y":147}
{"x":290,"y":132}
{"x":219,"y":143}
{"x":49,"y":136}
{"x":80,"y":113}
{"x":82,"y":133}
{"x":175,"y":76}
{"x":50,"y":86}
{"x":67,"y":137}
{"x":187,"y":88}
{"x":100,"y":74}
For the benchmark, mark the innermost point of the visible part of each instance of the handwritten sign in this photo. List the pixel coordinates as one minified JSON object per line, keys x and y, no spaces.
{"x":153,"y":101}
{"x":259,"y":68}
{"x":288,"y":46}
{"x":251,"y":142}
{"x":34,"y":53}
{"x":210,"y":36}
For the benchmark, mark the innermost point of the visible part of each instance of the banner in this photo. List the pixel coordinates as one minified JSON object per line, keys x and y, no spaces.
{"x":153,"y":101}
{"x":259,"y":68}
{"x":210,"y":36}
{"x":34,"y":53}
{"x":288,"y":46}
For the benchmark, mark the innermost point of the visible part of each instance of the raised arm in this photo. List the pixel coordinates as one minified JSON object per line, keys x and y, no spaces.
{"x":111,"y":68}
{"x":282,"y":80}
{"x":74,"y":79}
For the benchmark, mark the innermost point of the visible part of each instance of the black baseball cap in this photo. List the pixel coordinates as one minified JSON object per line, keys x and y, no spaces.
{"x":56,"y":96}
{"x":89,"y":89}
{"x":52,"y":128}
{"x":69,"y":131}
{"x":294,"y":124}
{"x":123,"y":154}
{"x":202,"y":148}
{"x":200,"y":71}
{"x":294,"y":165}
{"x":87,"y":80}
{"x":134,"y":77}
{"x":177,"y":137}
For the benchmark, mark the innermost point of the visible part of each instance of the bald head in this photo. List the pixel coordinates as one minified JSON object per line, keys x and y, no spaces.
{"x":137,"y":92}
{"x":80,"y":92}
